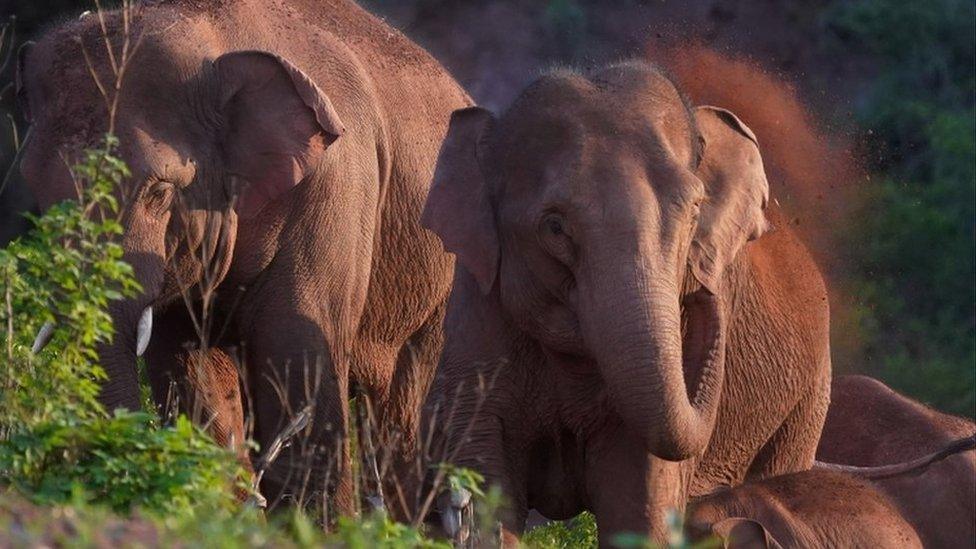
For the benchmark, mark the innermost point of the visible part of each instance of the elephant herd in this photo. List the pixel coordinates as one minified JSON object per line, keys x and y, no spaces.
{"x":630,"y":327}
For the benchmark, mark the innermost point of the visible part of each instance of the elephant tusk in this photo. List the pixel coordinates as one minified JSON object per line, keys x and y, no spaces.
{"x":43,"y":337}
{"x":460,"y":498}
{"x":376,"y":503}
{"x":144,"y":332}
{"x":257,"y":501}
{"x":452,"y":515}
{"x":451,"y":522}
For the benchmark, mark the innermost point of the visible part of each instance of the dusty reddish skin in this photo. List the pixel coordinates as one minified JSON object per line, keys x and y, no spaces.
{"x":869,"y":424}
{"x":323,"y":263}
{"x":811,"y":509}
{"x":582,"y":330}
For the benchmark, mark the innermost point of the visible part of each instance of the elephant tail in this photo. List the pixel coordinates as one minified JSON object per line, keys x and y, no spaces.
{"x":897,"y":469}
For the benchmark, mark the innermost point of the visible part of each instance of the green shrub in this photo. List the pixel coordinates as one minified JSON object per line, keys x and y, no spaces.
{"x":912,"y":241}
{"x":576,"y":533}
{"x":58,"y":443}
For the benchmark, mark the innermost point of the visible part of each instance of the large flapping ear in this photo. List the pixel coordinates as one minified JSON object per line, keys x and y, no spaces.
{"x":276,"y":123}
{"x":736,"y":194}
{"x":459,"y":207}
{"x":744,"y":533}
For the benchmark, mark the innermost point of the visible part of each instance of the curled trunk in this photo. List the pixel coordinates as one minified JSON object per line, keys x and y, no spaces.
{"x":640,"y":351}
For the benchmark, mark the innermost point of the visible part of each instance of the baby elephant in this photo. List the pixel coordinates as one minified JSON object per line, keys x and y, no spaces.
{"x":810,"y":509}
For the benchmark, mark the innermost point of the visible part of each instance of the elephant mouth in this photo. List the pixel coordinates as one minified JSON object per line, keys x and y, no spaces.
{"x":703,"y":345}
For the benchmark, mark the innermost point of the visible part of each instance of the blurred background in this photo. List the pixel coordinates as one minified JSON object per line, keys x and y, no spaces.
{"x":864,"y":110}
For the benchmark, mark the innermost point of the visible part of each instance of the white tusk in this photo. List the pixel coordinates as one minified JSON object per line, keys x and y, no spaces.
{"x":144,"y":332}
{"x":460,"y":498}
{"x":376,"y":503}
{"x":43,"y":337}
{"x":257,"y":501}
{"x":454,"y":505}
{"x":451,"y":522}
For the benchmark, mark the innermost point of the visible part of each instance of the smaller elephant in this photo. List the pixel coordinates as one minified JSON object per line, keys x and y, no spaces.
{"x":868,"y":424}
{"x":809,"y":509}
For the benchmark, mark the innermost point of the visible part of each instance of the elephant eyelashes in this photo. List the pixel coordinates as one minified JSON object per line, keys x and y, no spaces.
{"x":555,"y":239}
{"x":159,"y":196}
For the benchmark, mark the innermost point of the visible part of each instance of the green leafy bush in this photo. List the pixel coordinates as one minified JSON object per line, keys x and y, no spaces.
{"x":913,"y":244}
{"x":576,"y":533}
{"x":58,"y":443}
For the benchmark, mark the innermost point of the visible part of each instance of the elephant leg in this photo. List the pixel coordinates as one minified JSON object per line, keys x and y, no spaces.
{"x":794,"y":444}
{"x":200,"y":383}
{"x":399,"y":413}
{"x":631,"y":490}
{"x":294,"y":372}
{"x":503,"y":462}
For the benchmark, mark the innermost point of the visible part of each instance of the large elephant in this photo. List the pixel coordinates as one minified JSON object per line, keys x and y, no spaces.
{"x":281,"y":152}
{"x":641,"y":348}
{"x":870,"y":425}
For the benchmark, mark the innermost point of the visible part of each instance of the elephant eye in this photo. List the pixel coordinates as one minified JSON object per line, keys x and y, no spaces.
{"x":555,"y":238}
{"x":554,"y":226}
{"x":159,"y":195}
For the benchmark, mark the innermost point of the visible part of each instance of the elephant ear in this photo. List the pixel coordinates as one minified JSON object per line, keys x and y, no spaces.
{"x":744,"y":533}
{"x":459,"y":208}
{"x":275,"y":125}
{"x":736,"y":194}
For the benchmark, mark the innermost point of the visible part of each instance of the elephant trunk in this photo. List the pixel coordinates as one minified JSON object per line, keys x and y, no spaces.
{"x":132,"y":321}
{"x":643,"y":360}
{"x":118,"y":358}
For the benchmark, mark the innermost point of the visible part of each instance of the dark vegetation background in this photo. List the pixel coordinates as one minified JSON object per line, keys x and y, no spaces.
{"x":885,"y":87}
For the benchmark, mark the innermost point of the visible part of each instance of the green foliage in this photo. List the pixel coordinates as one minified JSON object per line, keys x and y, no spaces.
{"x":58,"y":443}
{"x":65,"y":272}
{"x":123,"y":462}
{"x":913,"y":236}
{"x":576,"y":533}
{"x":379,"y":531}
{"x":460,"y":478}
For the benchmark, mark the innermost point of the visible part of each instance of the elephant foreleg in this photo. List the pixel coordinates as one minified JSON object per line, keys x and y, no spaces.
{"x":793,"y":446}
{"x":295,"y":373}
{"x":398,"y":416}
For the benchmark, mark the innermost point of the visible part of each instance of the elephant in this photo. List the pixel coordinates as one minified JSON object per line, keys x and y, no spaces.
{"x":810,"y":509}
{"x":868,"y":425}
{"x":280,"y":156}
{"x":624,"y":330}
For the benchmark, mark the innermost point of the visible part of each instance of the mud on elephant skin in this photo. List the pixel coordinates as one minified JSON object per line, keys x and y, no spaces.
{"x":651,"y":339}
{"x":280,"y":157}
{"x":870,"y":425}
{"x":810,"y":509}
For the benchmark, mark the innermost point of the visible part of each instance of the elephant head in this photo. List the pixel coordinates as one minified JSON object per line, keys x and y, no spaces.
{"x":605,"y":215}
{"x":212,"y":139}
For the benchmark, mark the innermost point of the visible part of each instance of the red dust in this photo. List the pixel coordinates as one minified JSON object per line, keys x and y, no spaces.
{"x":809,"y":170}
{"x":812,"y":173}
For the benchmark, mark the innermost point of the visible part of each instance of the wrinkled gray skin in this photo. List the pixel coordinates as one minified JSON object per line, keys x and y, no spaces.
{"x":281,"y":153}
{"x":644,"y":349}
